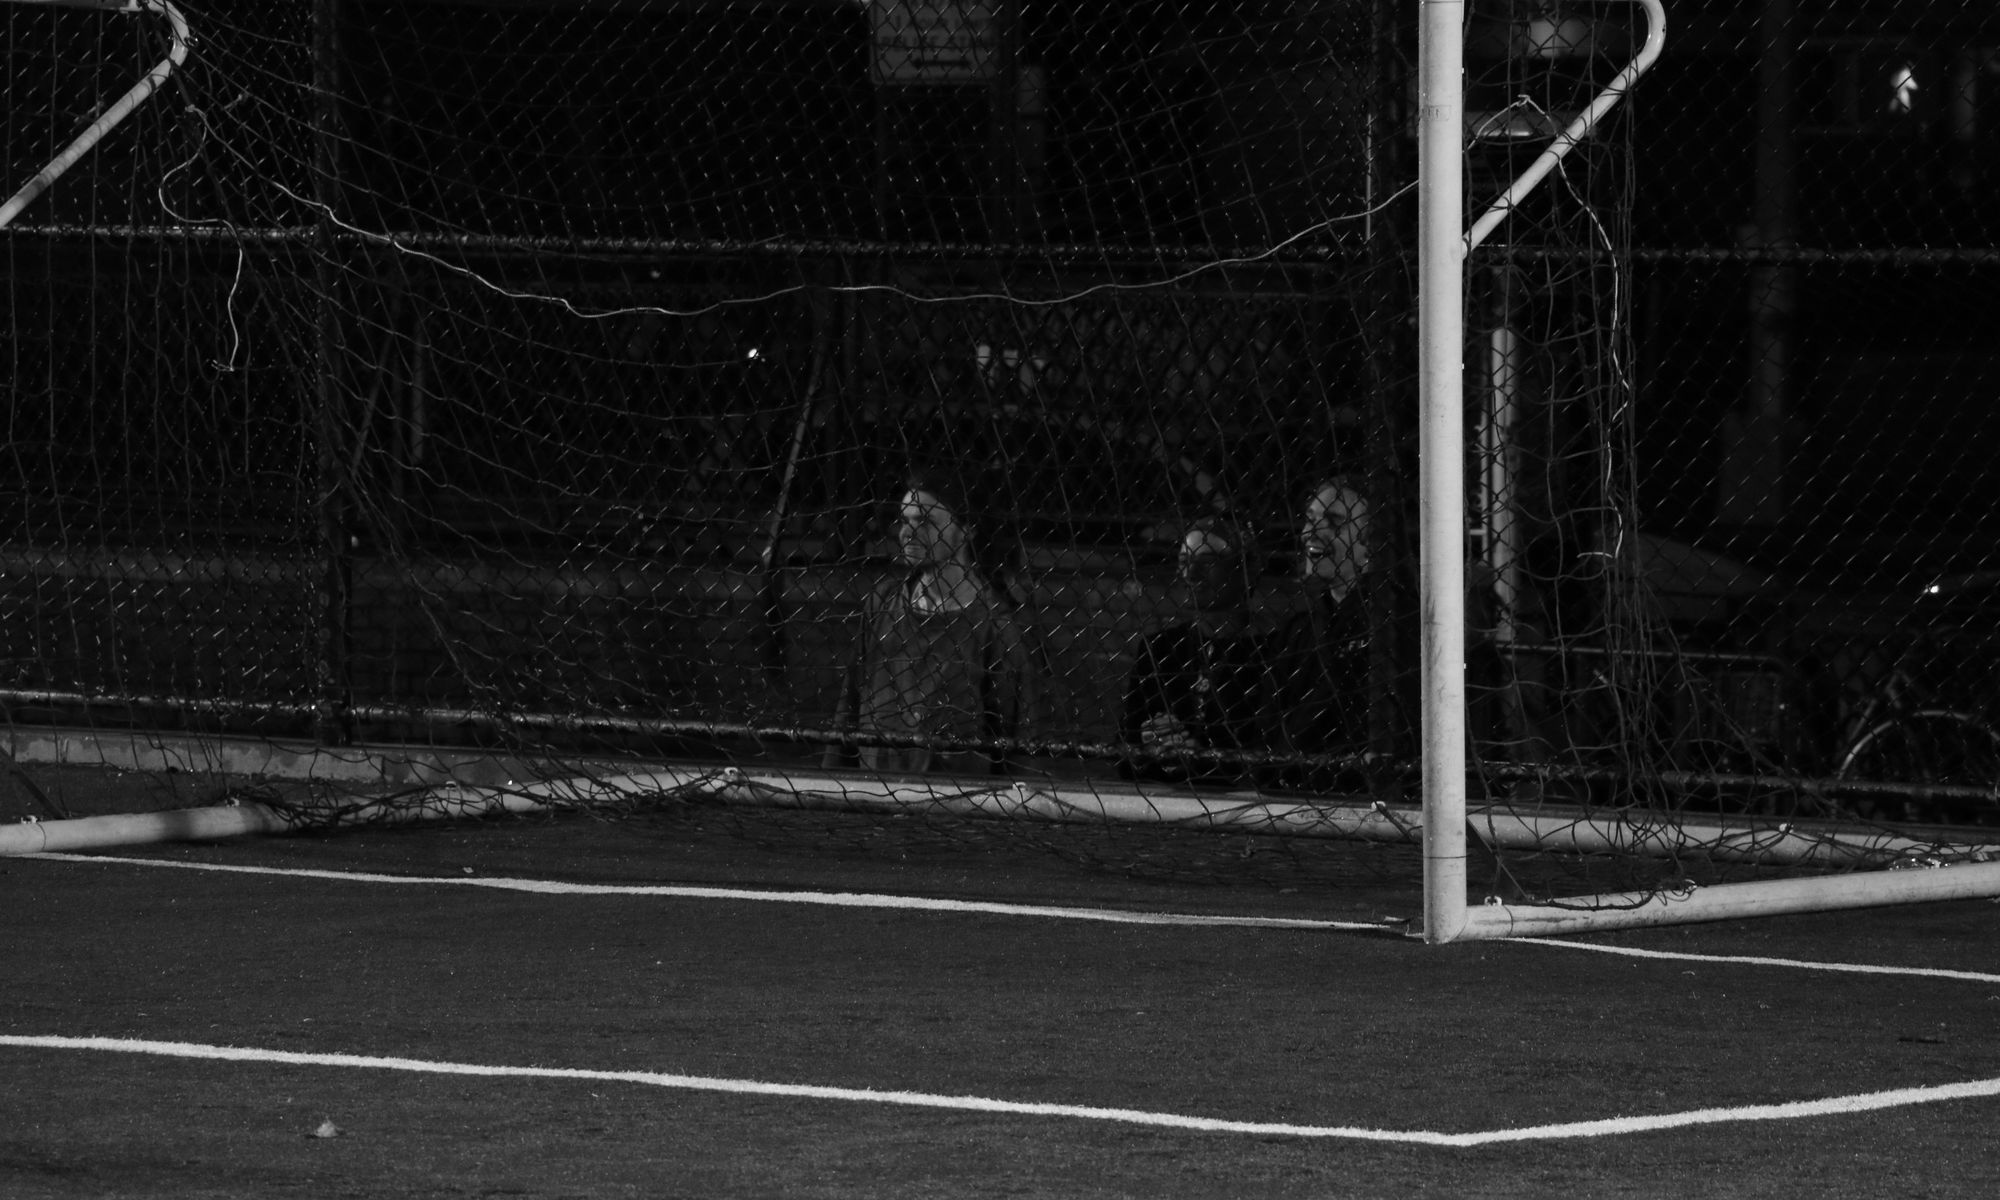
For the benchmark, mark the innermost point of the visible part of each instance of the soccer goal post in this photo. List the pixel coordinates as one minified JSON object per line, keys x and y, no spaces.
{"x":1445,"y":244}
{"x":1441,"y":247}
{"x":117,"y":111}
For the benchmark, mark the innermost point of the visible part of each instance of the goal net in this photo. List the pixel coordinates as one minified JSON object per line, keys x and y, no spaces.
{"x":1707,"y":625}
{"x":974,"y":412}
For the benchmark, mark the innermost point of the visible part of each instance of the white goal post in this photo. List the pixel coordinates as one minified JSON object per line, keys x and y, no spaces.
{"x":138,"y":94}
{"x":1441,"y":254}
{"x":1444,"y":244}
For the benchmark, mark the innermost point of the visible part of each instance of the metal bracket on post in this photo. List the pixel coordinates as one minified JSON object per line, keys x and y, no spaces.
{"x":1578,"y":129}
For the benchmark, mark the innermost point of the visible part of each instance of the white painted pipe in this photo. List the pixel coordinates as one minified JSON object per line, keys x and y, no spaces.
{"x":1243,"y":811}
{"x":1578,"y":129}
{"x":1785,"y":844}
{"x":1731,"y":901}
{"x":1247,"y":812}
{"x":447,"y":803}
{"x":139,"y":829}
{"x":1441,"y":457}
{"x":1551,"y":828}
{"x":148,"y":84}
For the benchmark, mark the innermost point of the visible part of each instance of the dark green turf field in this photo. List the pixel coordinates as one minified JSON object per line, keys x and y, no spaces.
{"x":568,"y":1007}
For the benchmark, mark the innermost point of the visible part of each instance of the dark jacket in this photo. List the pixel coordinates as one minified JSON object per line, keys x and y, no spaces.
{"x":1319,"y":682}
{"x":1214,"y":685}
{"x":965,"y":674}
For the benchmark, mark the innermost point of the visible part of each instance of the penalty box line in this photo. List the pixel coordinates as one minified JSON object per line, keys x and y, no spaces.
{"x":1570,"y":1130}
{"x":549,"y":887}
{"x":1756,"y":960}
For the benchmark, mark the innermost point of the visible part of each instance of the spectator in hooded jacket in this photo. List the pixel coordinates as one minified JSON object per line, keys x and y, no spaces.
{"x":944,"y":653}
{"x":1196,"y":691}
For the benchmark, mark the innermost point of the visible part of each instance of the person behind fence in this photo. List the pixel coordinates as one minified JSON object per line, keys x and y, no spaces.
{"x":944,"y":650}
{"x":1320,"y":663}
{"x":1197,"y":686}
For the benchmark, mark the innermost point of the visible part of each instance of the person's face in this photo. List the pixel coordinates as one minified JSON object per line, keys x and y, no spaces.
{"x":928,"y":533}
{"x":1212,"y":568}
{"x":1336,"y":535}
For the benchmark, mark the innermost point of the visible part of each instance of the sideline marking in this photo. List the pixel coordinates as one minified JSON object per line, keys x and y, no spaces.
{"x":1793,"y":1110}
{"x":1753,"y":960}
{"x":833,"y":899}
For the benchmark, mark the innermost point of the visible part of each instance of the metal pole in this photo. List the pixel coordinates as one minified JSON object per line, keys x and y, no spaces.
{"x":176,"y":55}
{"x":331,"y":496}
{"x":771,"y":562}
{"x":1736,"y":901}
{"x":1441,"y":456}
{"x":1579,"y":128}
{"x":1500,"y":502}
{"x":1752,"y":488}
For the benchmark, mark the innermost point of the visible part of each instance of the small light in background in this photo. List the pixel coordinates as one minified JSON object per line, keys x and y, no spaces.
{"x":1552,"y":34}
{"x":1903,"y":88}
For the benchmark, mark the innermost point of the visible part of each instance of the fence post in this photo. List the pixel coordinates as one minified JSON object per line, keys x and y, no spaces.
{"x":330,"y":498}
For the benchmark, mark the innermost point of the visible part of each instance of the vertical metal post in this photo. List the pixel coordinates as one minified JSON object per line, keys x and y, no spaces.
{"x":1441,"y":456}
{"x":330,"y":496}
{"x":1962,"y":117}
{"x":1751,"y":490}
{"x":1389,"y":402}
{"x":1499,"y":456}
{"x":1004,"y":137}
{"x":772,"y":561}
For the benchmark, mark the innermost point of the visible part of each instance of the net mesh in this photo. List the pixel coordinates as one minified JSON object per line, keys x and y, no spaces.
{"x":1737,"y":582}
{"x":1019,"y":397}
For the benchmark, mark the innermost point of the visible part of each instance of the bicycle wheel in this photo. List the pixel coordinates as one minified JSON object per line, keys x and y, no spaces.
{"x":1932,"y":746}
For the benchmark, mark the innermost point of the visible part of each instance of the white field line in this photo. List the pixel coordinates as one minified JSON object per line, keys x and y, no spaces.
{"x":1608,"y":1127}
{"x":1796,"y":964}
{"x":871,"y":900}
{"x":1604,"y":1127}
{"x":545,"y":887}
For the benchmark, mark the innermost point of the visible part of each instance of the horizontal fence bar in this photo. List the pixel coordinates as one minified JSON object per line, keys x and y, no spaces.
{"x":464,"y":784}
{"x":1743,"y":782}
{"x":1895,"y":256}
{"x":1105,"y":256}
{"x":668,"y":727}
